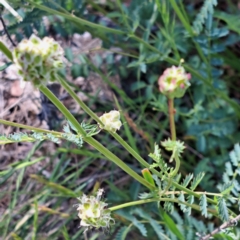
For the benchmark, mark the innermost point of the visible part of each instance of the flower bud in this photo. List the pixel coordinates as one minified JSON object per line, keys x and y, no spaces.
{"x":111,"y":121}
{"x":174,"y":82}
{"x":38,"y":60}
{"x":93,"y":213}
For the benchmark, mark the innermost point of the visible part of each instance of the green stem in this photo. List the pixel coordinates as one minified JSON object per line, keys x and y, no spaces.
{"x":195,"y":73}
{"x":171,"y":118}
{"x":117,"y":161}
{"x":79,"y":101}
{"x":181,"y":17}
{"x":126,"y":146}
{"x":76,"y":19}
{"x":109,"y":155}
{"x":175,"y":184}
{"x":149,"y":46}
{"x":75,"y":123}
{"x":96,"y":118}
{"x":78,"y":126}
{"x":130,"y":150}
{"x":117,"y":137}
{"x":6,"y":51}
{"x":140,"y":202}
{"x":187,"y":25}
{"x":13,"y":124}
{"x":62,"y":109}
{"x":177,"y":166}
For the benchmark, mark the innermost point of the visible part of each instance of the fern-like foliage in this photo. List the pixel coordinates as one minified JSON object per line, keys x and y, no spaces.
{"x":70,"y":134}
{"x":24,"y":137}
{"x":207,"y":8}
{"x":164,"y":181}
{"x":174,"y":227}
{"x":134,"y":221}
{"x":222,"y":209}
{"x":197,"y":180}
{"x":230,"y":188}
{"x":154,"y":224}
{"x":34,"y":16}
{"x":90,"y":129}
{"x":203,"y":205}
{"x":230,"y":185}
{"x":187,"y":180}
{"x":75,"y":138}
{"x":157,"y":157}
{"x":122,"y":233}
{"x":176,"y":147}
{"x":168,"y":192}
{"x":181,"y":198}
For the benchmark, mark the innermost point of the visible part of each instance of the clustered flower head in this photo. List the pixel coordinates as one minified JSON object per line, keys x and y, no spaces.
{"x":93,"y":213}
{"x":111,"y":121}
{"x":174,"y":82}
{"x":38,"y":60}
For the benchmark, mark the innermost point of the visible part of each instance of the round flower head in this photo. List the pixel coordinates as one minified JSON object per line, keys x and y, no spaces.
{"x":111,"y":121}
{"x":38,"y":60}
{"x":174,"y":82}
{"x":92,"y":212}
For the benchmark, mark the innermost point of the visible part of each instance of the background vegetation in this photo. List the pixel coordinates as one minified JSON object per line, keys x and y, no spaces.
{"x":142,"y":39}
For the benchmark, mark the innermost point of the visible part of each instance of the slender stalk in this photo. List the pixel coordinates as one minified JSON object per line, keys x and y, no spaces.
{"x":187,"y":25}
{"x":201,"y":193}
{"x":79,"y":101}
{"x":73,"y":18}
{"x":6,"y":31}
{"x":218,"y":92}
{"x":177,"y":161}
{"x":178,"y":186}
{"x":62,"y":109}
{"x":96,"y":118}
{"x":13,"y":124}
{"x":130,"y":150}
{"x":101,"y":148}
{"x":109,"y":155}
{"x":6,"y":51}
{"x":144,"y":201}
{"x":117,"y":161}
{"x":171,"y":118}
{"x":126,"y":146}
{"x":154,"y":49}
{"x":181,"y":17}
{"x":124,"y":15}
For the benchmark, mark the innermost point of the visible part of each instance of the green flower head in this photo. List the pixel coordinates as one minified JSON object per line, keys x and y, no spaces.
{"x":38,"y":61}
{"x":174,"y":82}
{"x":93,"y":212}
{"x":111,"y":121}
